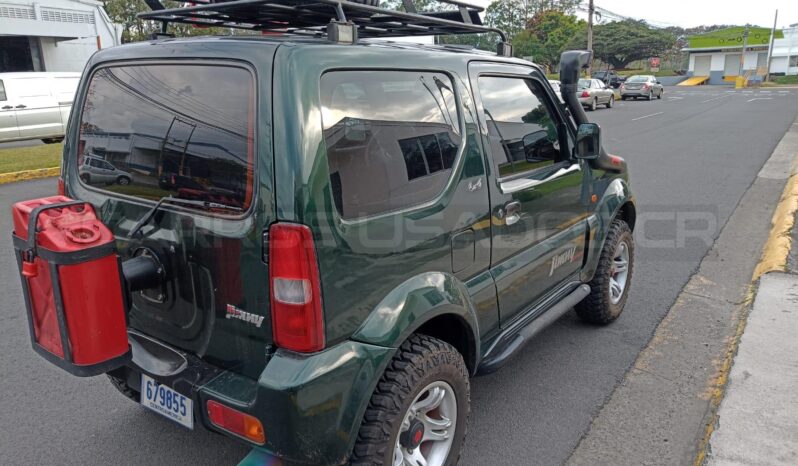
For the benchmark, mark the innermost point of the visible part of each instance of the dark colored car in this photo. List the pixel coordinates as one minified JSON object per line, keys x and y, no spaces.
{"x":397,"y":218}
{"x":609,"y":78}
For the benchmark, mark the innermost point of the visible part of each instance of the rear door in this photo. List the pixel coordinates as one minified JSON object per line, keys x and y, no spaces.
{"x":537,"y":201}
{"x":8,"y":116}
{"x":192,"y":121}
{"x":38,"y":113}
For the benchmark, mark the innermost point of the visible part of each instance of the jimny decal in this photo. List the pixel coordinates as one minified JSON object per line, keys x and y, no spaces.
{"x":236,"y":313}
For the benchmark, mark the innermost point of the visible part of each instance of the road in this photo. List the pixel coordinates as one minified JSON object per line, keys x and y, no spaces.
{"x":696,"y":151}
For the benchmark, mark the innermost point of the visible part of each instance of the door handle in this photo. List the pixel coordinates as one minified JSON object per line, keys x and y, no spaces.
{"x":21,"y":106}
{"x":7,"y":107}
{"x":512,"y":213}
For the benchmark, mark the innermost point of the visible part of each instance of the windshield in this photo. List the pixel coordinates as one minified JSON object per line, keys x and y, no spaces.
{"x":637,"y":79}
{"x":584,"y":84}
{"x":184,"y":131}
{"x":599,"y":74}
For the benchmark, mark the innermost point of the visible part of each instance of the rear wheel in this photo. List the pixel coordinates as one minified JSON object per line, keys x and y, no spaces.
{"x":650,"y":95}
{"x":123,"y":180}
{"x":610,"y":285}
{"x":611,"y":102}
{"x":659,"y":96}
{"x":593,"y":104}
{"x":52,"y":140}
{"x":418,"y":413}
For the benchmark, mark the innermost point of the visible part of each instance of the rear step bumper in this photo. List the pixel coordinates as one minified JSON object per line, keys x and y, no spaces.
{"x":310,"y":405}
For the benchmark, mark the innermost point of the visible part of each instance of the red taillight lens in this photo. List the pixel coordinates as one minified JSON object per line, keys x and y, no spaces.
{"x":585,"y":94}
{"x":645,"y":86}
{"x":295,"y":291}
{"x":61,"y":186}
{"x":236,"y":422}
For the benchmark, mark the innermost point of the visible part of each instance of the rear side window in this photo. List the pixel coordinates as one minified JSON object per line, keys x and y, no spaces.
{"x":183,"y":130}
{"x":392,"y":138}
{"x":64,"y":89}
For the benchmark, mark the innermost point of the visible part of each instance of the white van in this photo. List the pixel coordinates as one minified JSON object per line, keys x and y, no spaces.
{"x":35,"y":105}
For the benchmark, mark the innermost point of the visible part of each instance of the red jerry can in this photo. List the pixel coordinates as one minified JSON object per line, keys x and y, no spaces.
{"x":71,"y":278}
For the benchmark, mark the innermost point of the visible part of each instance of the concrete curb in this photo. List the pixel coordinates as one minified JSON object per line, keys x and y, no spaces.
{"x":29,"y":175}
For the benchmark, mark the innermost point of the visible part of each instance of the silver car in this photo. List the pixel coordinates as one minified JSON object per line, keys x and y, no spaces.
{"x":95,"y":170}
{"x":593,"y":92}
{"x":556,"y":86}
{"x":641,"y":85}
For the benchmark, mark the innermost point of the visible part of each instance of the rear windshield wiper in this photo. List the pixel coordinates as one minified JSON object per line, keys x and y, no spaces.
{"x":136,"y":230}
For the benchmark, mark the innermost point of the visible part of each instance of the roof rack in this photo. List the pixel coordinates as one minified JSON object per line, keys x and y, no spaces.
{"x":341,"y":21}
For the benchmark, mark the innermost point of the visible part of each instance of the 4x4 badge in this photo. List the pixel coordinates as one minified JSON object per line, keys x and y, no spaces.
{"x":236,"y":313}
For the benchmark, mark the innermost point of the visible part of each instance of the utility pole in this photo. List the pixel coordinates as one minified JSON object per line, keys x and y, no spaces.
{"x":590,"y":10}
{"x":742,"y":55}
{"x":770,"y":48}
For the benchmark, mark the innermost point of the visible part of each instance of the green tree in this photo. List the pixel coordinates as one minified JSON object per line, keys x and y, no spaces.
{"x":546,"y":35}
{"x":621,"y":42}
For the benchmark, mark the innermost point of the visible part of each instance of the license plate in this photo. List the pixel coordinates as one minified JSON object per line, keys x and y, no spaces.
{"x":166,"y":402}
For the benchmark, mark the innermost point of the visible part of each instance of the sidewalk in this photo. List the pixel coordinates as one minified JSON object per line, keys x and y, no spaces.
{"x":758,"y":418}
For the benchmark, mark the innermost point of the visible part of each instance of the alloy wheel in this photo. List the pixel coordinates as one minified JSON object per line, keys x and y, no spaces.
{"x":427,"y":432}
{"x":619,"y":272}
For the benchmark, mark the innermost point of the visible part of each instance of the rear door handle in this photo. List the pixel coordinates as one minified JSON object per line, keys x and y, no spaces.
{"x":7,"y":107}
{"x":21,"y":106}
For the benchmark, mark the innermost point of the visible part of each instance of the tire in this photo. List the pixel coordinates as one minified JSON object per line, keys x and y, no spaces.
{"x":123,"y":180}
{"x":601,"y":306}
{"x":650,"y":95}
{"x":52,"y":140}
{"x":120,"y":385}
{"x":86,"y":178}
{"x":420,"y":363}
{"x":593,"y":104}
{"x":659,"y":96}
{"x":611,"y":102}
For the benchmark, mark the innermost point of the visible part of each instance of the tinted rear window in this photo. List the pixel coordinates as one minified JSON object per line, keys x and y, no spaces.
{"x":170,"y":130}
{"x":392,"y":138}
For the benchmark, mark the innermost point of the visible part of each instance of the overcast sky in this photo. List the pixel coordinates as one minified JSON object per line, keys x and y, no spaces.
{"x":688,"y":13}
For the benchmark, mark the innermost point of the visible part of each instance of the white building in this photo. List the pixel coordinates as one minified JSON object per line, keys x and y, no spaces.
{"x":720,"y":62}
{"x":53,"y":35}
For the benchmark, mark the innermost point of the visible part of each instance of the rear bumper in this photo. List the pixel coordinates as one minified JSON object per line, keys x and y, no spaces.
{"x":635,"y":92}
{"x":310,"y":405}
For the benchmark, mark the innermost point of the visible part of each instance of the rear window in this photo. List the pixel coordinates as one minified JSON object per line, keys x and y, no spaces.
{"x":392,"y":138}
{"x":185,"y":131}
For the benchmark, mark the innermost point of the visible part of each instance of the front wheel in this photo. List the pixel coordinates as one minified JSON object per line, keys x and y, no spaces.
{"x":419,"y":411}
{"x":609,"y":288}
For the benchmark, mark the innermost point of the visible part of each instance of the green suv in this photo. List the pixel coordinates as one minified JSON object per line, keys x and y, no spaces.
{"x":340,"y":232}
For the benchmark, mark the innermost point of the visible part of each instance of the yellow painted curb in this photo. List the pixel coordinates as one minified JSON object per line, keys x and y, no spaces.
{"x":777,"y":247}
{"x":29,"y":175}
{"x":774,"y":258}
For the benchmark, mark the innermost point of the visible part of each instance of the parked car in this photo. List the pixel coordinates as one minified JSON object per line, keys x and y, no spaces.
{"x":380,"y":253}
{"x":35,"y":105}
{"x":95,"y":170}
{"x":555,"y":86}
{"x":645,"y":86}
{"x":593,"y":92}
{"x":610,"y":78}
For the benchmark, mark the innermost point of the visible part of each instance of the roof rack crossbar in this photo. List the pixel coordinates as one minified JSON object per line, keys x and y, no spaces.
{"x":314,"y":15}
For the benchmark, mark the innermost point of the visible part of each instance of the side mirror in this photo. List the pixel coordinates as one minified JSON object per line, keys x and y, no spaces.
{"x":588,"y":141}
{"x":657,"y":81}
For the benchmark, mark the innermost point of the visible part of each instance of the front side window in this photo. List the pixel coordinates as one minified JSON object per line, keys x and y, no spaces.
{"x":392,"y":138}
{"x":185,"y":131}
{"x":522,"y":128}
{"x":794,"y":61}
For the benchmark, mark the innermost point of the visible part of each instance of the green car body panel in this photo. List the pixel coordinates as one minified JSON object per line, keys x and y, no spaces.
{"x":383,"y":277}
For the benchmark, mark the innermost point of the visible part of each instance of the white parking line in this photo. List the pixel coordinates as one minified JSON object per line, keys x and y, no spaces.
{"x":674,"y":98}
{"x":716,"y":98}
{"x":760,"y":98}
{"x":653,"y":114}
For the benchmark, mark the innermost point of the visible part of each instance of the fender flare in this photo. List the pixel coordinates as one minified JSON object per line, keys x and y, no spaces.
{"x":616,"y":200}
{"x":415,"y":302}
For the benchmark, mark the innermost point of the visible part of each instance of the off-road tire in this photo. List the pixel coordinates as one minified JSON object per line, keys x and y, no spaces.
{"x":597,"y":307}
{"x":123,"y":388}
{"x":420,"y":361}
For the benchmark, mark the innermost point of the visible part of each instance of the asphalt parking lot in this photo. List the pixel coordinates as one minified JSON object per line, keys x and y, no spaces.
{"x":697,"y":149}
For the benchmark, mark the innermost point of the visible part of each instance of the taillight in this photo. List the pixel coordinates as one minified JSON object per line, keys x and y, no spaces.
{"x":61,"y":188}
{"x":645,"y":86}
{"x":236,"y":422}
{"x":585,"y":94}
{"x":295,"y":290}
